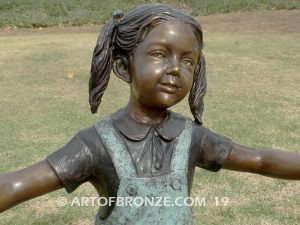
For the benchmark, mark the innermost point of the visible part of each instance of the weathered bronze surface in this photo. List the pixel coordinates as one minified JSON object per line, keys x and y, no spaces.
{"x":157,"y":50}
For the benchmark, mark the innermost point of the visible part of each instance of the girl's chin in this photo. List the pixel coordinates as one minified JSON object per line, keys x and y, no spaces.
{"x":163,"y":104}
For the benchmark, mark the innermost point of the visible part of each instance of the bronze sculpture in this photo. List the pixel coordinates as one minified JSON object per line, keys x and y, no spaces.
{"x":143,"y":50}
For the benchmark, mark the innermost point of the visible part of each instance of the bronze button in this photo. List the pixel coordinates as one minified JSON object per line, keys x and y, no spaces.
{"x":131,"y":189}
{"x":176,"y":184}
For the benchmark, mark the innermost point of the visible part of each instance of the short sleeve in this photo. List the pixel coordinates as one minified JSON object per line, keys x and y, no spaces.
{"x":212,"y":149}
{"x":73,"y":163}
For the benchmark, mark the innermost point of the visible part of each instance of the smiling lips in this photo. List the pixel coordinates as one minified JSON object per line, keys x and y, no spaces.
{"x":169,"y":87}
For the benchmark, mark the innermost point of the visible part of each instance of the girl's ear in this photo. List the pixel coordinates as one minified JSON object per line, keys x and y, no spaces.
{"x":120,"y":68}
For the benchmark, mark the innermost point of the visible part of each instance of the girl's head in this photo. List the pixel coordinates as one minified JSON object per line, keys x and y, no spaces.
{"x":119,"y":39}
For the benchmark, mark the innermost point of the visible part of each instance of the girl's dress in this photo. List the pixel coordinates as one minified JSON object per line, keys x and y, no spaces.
{"x":127,"y":159}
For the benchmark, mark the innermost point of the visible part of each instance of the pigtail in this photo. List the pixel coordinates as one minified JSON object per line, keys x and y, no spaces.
{"x":198,"y":91}
{"x":101,"y":66}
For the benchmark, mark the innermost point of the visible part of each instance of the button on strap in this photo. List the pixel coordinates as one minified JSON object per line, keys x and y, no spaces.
{"x":132,"y":189}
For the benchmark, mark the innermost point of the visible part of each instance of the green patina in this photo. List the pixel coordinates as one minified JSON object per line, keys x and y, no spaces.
{"x":165,"y":191}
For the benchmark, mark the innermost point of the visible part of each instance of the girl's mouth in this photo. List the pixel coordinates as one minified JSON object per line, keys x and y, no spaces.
{"x":169,"y":88}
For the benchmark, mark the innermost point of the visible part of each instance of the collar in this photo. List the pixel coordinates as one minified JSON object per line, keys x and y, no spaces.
{"x":136,"y":131}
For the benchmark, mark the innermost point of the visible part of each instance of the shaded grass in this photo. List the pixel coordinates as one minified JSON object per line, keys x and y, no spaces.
{"x":253,"y":97}
{"x":42,"y":13}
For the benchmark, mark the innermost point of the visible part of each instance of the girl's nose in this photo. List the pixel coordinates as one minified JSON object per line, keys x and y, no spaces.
{"x":173,"y":67}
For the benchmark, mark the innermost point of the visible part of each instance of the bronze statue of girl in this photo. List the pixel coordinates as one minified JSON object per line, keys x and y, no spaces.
{"x":144,"y":149}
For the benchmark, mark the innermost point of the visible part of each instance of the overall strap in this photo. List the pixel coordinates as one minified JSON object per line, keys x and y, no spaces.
{"x":181,"y":152}
{"x":115,"y":148}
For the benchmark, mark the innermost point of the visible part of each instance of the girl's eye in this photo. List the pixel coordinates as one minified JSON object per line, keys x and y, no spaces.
{"x":158,"y":54}
{"x":188,"y":62}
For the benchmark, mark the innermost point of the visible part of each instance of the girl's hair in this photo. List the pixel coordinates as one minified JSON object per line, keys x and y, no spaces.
{"x":120,"y":37}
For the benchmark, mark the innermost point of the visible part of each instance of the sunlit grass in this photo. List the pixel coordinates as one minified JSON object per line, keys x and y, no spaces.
{"x":37,"y":13}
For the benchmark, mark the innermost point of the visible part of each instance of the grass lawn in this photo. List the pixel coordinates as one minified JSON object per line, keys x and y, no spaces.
{"x":44,"y":13}
{"x":253,"y":97}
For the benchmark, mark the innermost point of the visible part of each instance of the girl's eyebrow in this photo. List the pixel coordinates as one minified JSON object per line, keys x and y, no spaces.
{"x":156,"y":44}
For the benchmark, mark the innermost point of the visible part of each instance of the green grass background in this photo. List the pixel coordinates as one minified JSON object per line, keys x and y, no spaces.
{"x":253,"y":97}
{"x":43,"y":13}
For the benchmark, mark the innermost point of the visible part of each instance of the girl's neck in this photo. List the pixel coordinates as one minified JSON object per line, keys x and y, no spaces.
{"x":146,"y":114}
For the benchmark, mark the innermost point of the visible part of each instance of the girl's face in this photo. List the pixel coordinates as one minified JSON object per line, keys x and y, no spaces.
{"x":163,"y":65}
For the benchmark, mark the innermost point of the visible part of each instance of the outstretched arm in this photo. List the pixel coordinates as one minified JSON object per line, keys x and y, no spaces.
{"x":22,"y":185}
{"x":272,"y":163}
